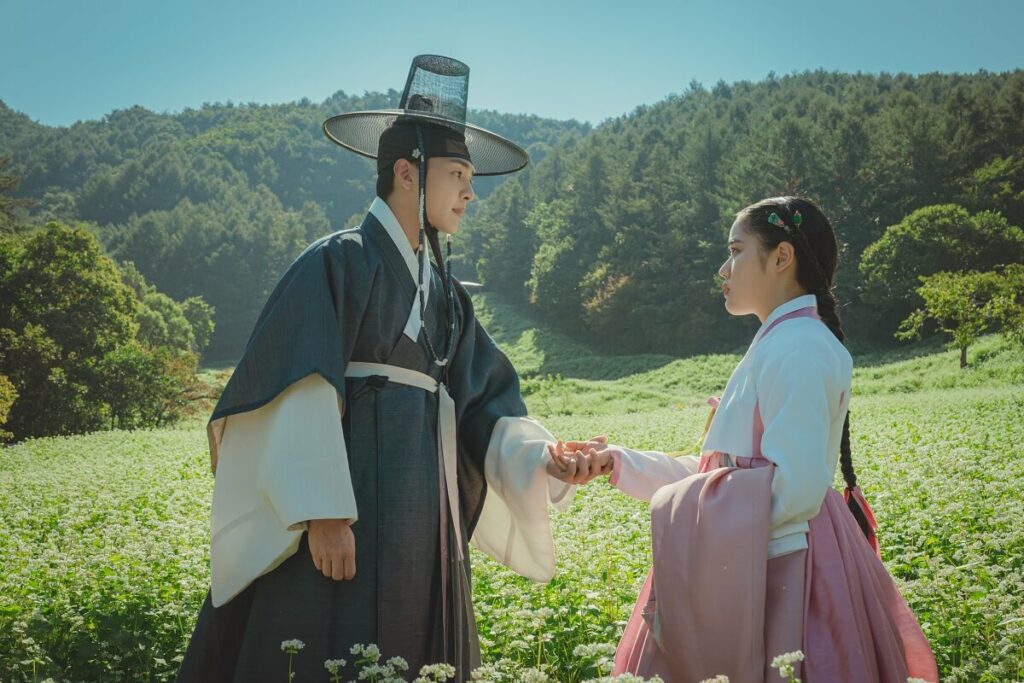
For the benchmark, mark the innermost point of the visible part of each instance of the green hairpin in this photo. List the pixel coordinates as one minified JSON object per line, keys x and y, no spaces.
{"x":774,"y":219}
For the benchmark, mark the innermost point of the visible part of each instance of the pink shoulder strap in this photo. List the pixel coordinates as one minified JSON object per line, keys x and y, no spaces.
{"x":807,"y":312}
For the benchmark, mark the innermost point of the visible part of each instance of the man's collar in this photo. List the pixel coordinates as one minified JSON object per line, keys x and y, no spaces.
{"x":386,"y":217}
{"x":380,"y":210}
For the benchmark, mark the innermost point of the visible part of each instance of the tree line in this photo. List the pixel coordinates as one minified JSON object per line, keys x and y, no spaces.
{"x":136,"y":243}
{"x":619,"y":234}
{"x":215,"y":202}
{"x":87,"y":344}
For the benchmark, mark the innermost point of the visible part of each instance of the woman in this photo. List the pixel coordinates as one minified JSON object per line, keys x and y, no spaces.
{"x":755,"y":554}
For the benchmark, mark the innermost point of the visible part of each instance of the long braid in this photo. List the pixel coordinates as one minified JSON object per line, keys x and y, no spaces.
{"x":830,"y":316}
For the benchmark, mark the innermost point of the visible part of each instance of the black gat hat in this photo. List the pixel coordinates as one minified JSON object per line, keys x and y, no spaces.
{"x":435,"y":94}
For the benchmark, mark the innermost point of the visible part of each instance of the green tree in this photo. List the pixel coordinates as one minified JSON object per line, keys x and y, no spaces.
{"x":943,"y":238}
{"x":145,"y":386}
{"x":509,"y":245}
{"x":8,"y":264}
{"x":183,"y":326}
{"x":163,"y":323}
{"x":64,"y":308}
{"x":1008,"y":305}
{"x":86,"y":346}
{"x":199,"y":315}
{"x":10,"y":206}
{"x":65,"y":283}
{"x":55,"y":394}
{"x":960,"y":304}
{"x":999,"y":185}
{"x":8,"y":395}
{"x":230,"y":251}
{"x":553,"y":285}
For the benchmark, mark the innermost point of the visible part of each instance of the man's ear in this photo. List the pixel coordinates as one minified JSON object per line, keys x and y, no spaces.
{"x":406,"y":174}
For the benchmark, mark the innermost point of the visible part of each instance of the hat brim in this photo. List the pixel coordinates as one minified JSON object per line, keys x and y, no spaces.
{"x":360,"y":132}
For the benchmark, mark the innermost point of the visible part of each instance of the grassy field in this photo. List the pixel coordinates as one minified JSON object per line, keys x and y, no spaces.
{"x":104,"y":537}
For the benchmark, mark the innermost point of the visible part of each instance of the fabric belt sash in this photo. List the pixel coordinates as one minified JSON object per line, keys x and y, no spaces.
{"x":446,"y":444}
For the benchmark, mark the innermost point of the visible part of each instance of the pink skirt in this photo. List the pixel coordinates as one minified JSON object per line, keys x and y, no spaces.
{"x":714,"y":604}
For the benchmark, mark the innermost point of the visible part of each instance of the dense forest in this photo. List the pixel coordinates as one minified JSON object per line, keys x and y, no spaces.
{"x":217,"y":201}
{"x":621,"y":233}
{"x":615,"y":232}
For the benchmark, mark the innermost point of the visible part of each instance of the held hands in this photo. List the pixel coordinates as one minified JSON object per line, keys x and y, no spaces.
{"x":332,"y":544}
{"x":333,"y":548}
{"x":578,"y":462}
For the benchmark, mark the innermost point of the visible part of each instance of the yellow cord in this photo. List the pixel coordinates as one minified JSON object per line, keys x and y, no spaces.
{"x":699,"y":446}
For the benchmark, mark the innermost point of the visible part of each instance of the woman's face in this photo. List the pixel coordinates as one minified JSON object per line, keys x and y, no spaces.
{"x":747,"y":283}
{"x":449,"y":190}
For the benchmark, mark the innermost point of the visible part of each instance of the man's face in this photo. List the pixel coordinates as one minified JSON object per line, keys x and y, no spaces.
{"x":449,"y":190}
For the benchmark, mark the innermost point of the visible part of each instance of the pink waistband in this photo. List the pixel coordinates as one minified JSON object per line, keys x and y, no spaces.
{"x":713,"y":460}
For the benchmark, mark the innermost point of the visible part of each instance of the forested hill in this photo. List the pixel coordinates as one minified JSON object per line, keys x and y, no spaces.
{"x":134,"y":160}
{"x":216,"y":201}
{"x":615,"y":233}
{"x":618,"y":235}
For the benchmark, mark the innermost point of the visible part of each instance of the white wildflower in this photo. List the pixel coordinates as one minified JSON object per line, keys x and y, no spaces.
{"x":593,"y":650}
{"x":370,"y":653}
{"x":333,"y":665}
{"x":292,"y":646}
{"x":784,"y":662}
{"x":373,"y":670}
{"x":398,"y":664}
{"x":534,"y":676}
{"x":432,"y":673}
{"x":789,"y":658}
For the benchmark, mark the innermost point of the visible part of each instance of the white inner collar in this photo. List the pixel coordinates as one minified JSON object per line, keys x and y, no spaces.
{"x":794,"y":304}
{"x":383,"y":213}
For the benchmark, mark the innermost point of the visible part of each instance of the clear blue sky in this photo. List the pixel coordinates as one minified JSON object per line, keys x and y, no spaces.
{"x":65,"y":60}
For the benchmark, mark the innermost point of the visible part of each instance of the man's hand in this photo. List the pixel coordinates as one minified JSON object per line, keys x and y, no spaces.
{"x":333,"y":547}
{"x":579,"y":462}
{"x":599,"y":452}
{"x":595,"y":442}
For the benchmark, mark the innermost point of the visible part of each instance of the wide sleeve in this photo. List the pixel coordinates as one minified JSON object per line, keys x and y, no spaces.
{"x":641,"y":473}
{"x":309,"y":324}
{"x":796,"y":402}
{"x":514,"y":527}
{"x":280,"y":465}
{"x":503,"y":484}
{"x":277,"y":445}
{"x":305,"y":473}
{"x":485,"y":387}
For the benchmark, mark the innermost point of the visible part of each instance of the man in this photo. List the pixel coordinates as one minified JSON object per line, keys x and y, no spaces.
{"x":372,"y":427}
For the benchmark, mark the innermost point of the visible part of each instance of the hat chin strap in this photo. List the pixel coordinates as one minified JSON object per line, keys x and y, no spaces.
{"x":423,"y":264}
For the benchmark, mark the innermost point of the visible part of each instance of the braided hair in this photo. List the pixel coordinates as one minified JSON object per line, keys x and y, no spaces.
{"x":817,"y":253}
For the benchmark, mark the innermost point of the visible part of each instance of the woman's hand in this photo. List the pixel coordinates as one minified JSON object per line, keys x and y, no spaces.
{"x":578,"y":462}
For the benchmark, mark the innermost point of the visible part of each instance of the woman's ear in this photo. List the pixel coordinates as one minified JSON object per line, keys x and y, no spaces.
{"x":785,"y":256}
